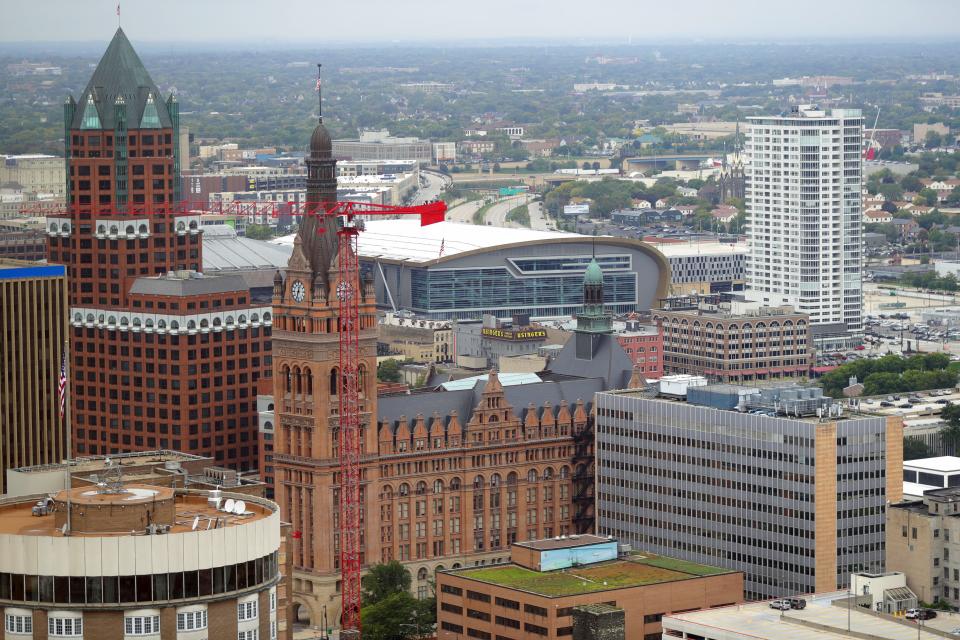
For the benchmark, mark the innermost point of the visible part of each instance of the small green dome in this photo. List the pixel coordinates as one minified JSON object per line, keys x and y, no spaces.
{"x":593,"y":274}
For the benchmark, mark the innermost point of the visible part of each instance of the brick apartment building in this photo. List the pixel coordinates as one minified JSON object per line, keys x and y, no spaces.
{"x":162,"y":357}
{"x":704,"y":336}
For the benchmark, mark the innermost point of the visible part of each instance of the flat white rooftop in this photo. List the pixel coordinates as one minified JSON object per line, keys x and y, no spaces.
{"x":683,"y":249}
{"x":940,"y":464}
{"x":405,"y":239}
{"x":758,"y":621}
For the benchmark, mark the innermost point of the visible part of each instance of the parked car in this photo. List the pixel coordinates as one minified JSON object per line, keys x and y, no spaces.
{"x":797,"y":603}
{"x":781,"y":605}
{"x":921,"y":614}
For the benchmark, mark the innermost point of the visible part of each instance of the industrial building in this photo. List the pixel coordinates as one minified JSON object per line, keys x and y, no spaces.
{"x":460,"y":271}
{"x":380,"y":145}
{"x":780,"y":483}
{"x":533,"y":595}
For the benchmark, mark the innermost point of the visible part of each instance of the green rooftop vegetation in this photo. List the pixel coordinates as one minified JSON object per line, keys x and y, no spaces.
{"x":639,"y":570}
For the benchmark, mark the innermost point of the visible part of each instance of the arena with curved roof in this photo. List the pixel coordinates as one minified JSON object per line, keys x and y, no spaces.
{"x":449,"y":270}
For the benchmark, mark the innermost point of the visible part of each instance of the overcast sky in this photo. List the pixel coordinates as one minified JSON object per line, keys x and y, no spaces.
{"x":273,"y":23}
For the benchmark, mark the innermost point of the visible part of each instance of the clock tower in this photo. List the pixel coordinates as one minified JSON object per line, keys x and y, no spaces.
{"x":306,"y":368}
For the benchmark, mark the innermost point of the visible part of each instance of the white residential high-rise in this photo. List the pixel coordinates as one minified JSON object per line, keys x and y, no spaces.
{"x":803,"y":197}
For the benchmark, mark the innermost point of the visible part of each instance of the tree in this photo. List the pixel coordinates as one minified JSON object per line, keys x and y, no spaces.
{"x":259,"y":232}
{"x":889,"y":207}
{"x":911,"y":182}
{"x":927,"y":197}
{"x":914,"y":449}
{"x":389,"y":612}
{"x":384,"y":579}
{"x":932,"y":140}
{"x":388,"y":371}
{"x":953,"y":199}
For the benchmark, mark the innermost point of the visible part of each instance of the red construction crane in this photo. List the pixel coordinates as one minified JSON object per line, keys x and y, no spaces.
{"x":348,"y":228}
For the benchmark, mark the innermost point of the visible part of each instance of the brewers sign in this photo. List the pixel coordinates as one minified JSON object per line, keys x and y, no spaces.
{"x":522,"y":334}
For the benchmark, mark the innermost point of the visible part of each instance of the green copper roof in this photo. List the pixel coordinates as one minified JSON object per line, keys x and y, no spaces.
{"x":593,"y":274}
{"x":120,"y":73}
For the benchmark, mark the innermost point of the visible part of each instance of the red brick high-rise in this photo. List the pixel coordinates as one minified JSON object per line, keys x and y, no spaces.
{"x":162,"y":356}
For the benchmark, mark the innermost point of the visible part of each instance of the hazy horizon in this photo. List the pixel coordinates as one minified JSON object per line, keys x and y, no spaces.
{"x":300,"y":23}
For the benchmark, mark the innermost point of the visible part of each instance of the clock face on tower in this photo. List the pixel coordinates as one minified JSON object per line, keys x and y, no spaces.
{"x":297,"y":290}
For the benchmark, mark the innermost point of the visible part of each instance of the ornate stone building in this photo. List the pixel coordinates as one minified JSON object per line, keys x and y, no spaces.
{"x":449,"y":478}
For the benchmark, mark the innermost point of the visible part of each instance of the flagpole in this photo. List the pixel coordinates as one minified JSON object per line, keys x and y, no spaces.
{"x":67,"y":412}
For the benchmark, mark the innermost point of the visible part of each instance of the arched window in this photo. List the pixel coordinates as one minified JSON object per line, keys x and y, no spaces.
{"x":287,"y":380}
{"x":455,"y":484}
{"x":495,"y":480}
{"x":422,"y":573}
{"x":130,"y":230}
{"x":65,"y":228}
{"x":309,"y":380}
{"x":174,"y":325}
{"x":149,"y":323}
{"x":512,"y":478}
{"x":421,"y":488}
{"x":297,"y":382}
{"x":438,"y":486}
{"x":456,"y":565}
{"x":493,"y":418}
{"x":124,"y":322}
{"x":404,"y":490}
{"x":181,"y":227}
{"x":114,"y":229}
{"x":548,"y":473}
{"x":112,"y":320}
{"x":532,"y":475}
{"x":388,"y":492}
{"x":143,"y":230}
{"x":53,"y":228}
{"x":161,"y":324}
{"x":334,"y":382}
{"x":77,"y":317}
{"x":242,"y":319}
{"x":229,"y":321}
{"x":90,"y":318}
{"x":478,"y":482}
{"x":136,"y":323}
{"x":192,"y":325}
{"x":564,"y":472}
{"x":101,"y":230}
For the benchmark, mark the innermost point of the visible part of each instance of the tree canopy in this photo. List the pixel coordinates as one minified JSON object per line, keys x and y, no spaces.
{"x":892,"y":374}
{"x":389,"y":612}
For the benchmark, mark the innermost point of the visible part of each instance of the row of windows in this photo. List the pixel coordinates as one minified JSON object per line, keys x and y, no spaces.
{"x":147,"y":588}
{"x":141,"y":625}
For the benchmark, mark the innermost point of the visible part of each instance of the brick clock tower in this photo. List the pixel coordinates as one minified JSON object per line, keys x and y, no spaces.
{"x":306,"y":365}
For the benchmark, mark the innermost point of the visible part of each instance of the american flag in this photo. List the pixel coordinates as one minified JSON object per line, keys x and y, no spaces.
{"x":62,"y":385}
{"x":318,"y":84}
{"x":442,"y":241}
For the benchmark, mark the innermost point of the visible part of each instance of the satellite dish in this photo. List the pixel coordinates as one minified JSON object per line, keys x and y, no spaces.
{"x":196,"y":521}
{"x":228,"y":505}
{"x":239,"y":507}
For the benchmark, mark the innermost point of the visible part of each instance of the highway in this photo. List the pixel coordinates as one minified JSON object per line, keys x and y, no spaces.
{"x":431,"y":186}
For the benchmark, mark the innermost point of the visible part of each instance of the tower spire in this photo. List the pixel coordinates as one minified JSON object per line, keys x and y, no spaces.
{"x":319,"y":95}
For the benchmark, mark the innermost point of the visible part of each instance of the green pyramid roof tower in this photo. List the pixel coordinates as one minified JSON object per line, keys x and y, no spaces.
{"x":121,"y":75}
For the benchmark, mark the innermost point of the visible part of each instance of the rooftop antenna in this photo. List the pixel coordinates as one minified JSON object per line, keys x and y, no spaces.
{"x":319,"y":95}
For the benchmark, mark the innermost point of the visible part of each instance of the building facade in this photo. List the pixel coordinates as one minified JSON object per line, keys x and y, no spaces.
{"x":533,"y":596}
{"x":34,"y":342}
{"x":797,"y":504}
{"x":35,"y":173}
{"x":380,"y":145}
{"x":123,"y":560}
{"x":448,"y":478}
{"x":923,"y":541}
{"x":161,"y":356}
{"x":804,"y":206}
{"x":704,"y":337}
{"x":643,"y":343}
{"x":706,"y":267}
